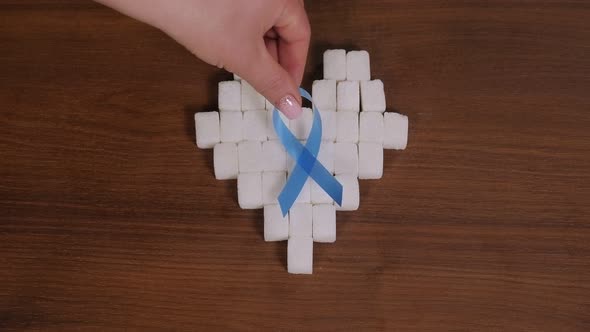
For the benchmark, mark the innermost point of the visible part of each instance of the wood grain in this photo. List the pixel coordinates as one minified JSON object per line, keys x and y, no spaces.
{"x":110,"y":218}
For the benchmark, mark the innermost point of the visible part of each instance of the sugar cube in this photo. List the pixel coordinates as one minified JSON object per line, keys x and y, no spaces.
{"x":395,"y":132}
{"x":348,"y":96}
{"x":358,"y":66}
{"x":346,"y":159}
{"x":347,"y":127}
{"x":328,"y":125}
{"x":318,"y":195}
{"x":229,"y":96}
{"x":335,"y":65}
{"x":350,"y":193}
{"x":370,"y":160}
{"x":272,"y":184}
{"x":324,"y":223}
{"x":300,"y":220}
{"x":251,"y":99}
{"x":230,"y":126}
{"x":300,"y":255}
{"x":250,"y":190}
{"x":371,"y":127}
{"x":254,"y":125}
{"x":225,"y":161}
{"x":276,"y":227}
{"x":326,"y":156}
{"x":274,"y":156}
{"x":324,"y":95}
{"x":250,"y":156}
{"x":373,"y":96}
{"x":207,"y":129}
{"x":301,"y":126}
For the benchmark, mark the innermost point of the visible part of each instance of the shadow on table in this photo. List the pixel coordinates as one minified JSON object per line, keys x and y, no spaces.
{"x":280,"y":247}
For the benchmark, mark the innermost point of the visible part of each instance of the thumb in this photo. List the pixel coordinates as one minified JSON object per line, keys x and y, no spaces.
{"x":272,"y":81}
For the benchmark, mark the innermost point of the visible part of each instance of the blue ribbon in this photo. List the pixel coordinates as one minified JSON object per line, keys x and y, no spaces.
{"x":306,"y":164}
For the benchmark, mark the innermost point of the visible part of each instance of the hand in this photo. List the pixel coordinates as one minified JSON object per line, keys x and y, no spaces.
{"x":263,"y":41}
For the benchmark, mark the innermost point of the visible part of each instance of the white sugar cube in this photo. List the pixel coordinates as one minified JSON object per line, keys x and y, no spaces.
{"x":326,"y":156}
{"x":373,"y":96}
{"x":254,"y":126}
{"x":358,"y":66}
{"x":272,"y":184}
{"x":324,"y":95}
{"x":229,"y":96}
{"x":346,"y":159}
{"x":250,"y":156}
{"x":329,"y":122}
{"x":370,"y":160}
{"x":270,"y":129}
{"x":371,"y":127}
{"x":225,"y":161}
{"x":301,"y":126}
{"x":230,"y":126}
{"x":300,"y":255}
{"x":268,"y":105}
{"x":350,"y":193}
{"x":324,"y":223}
{"x":276,"y":227}
{"x":207,"y":129}
{"x":300,"y":220}
{"x":318,"y":195}
{"x":335,"y":65}
{"x":274,"y":156}
{"x":250,"y":190}
{"x":347,"y":127}
{"x":237,"y":78}
{"x":348,"y":96}
{"x":251,"y":99}
{"x":395,"y":131}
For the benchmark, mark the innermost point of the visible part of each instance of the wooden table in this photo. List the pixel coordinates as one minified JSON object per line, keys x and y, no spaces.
{"x":111,"y":217}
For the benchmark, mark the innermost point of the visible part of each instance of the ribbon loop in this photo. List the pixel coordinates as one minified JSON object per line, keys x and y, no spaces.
{"x":306,"y":162}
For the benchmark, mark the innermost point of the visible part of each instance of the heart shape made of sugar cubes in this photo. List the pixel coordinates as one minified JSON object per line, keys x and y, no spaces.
{"x":356,"y":129}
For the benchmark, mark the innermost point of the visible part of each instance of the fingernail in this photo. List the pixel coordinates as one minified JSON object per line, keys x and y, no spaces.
{"x":289,"y":106}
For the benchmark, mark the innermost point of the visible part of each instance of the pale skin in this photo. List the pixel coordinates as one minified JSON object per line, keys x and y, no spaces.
{"x":263,"y":41}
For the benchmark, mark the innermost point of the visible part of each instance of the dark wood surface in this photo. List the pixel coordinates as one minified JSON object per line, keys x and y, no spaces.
{"x":111,"y":218}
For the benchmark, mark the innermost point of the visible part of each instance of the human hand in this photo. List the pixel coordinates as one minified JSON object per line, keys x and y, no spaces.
{"x":263,"y":41}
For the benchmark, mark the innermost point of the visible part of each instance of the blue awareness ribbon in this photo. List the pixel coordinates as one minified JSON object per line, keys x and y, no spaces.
{"x":307,"y":164}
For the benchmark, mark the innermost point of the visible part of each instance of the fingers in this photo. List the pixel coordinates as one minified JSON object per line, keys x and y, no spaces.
{"x":275,"y":65}
{"x":269,"y":78}
{"x":294,"y":33}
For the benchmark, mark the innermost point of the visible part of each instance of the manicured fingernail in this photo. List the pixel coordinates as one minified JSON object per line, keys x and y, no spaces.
{"x":289,"y":106}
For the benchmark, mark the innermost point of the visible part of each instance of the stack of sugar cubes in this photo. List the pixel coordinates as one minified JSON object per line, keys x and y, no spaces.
{"x":356,"y":129}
